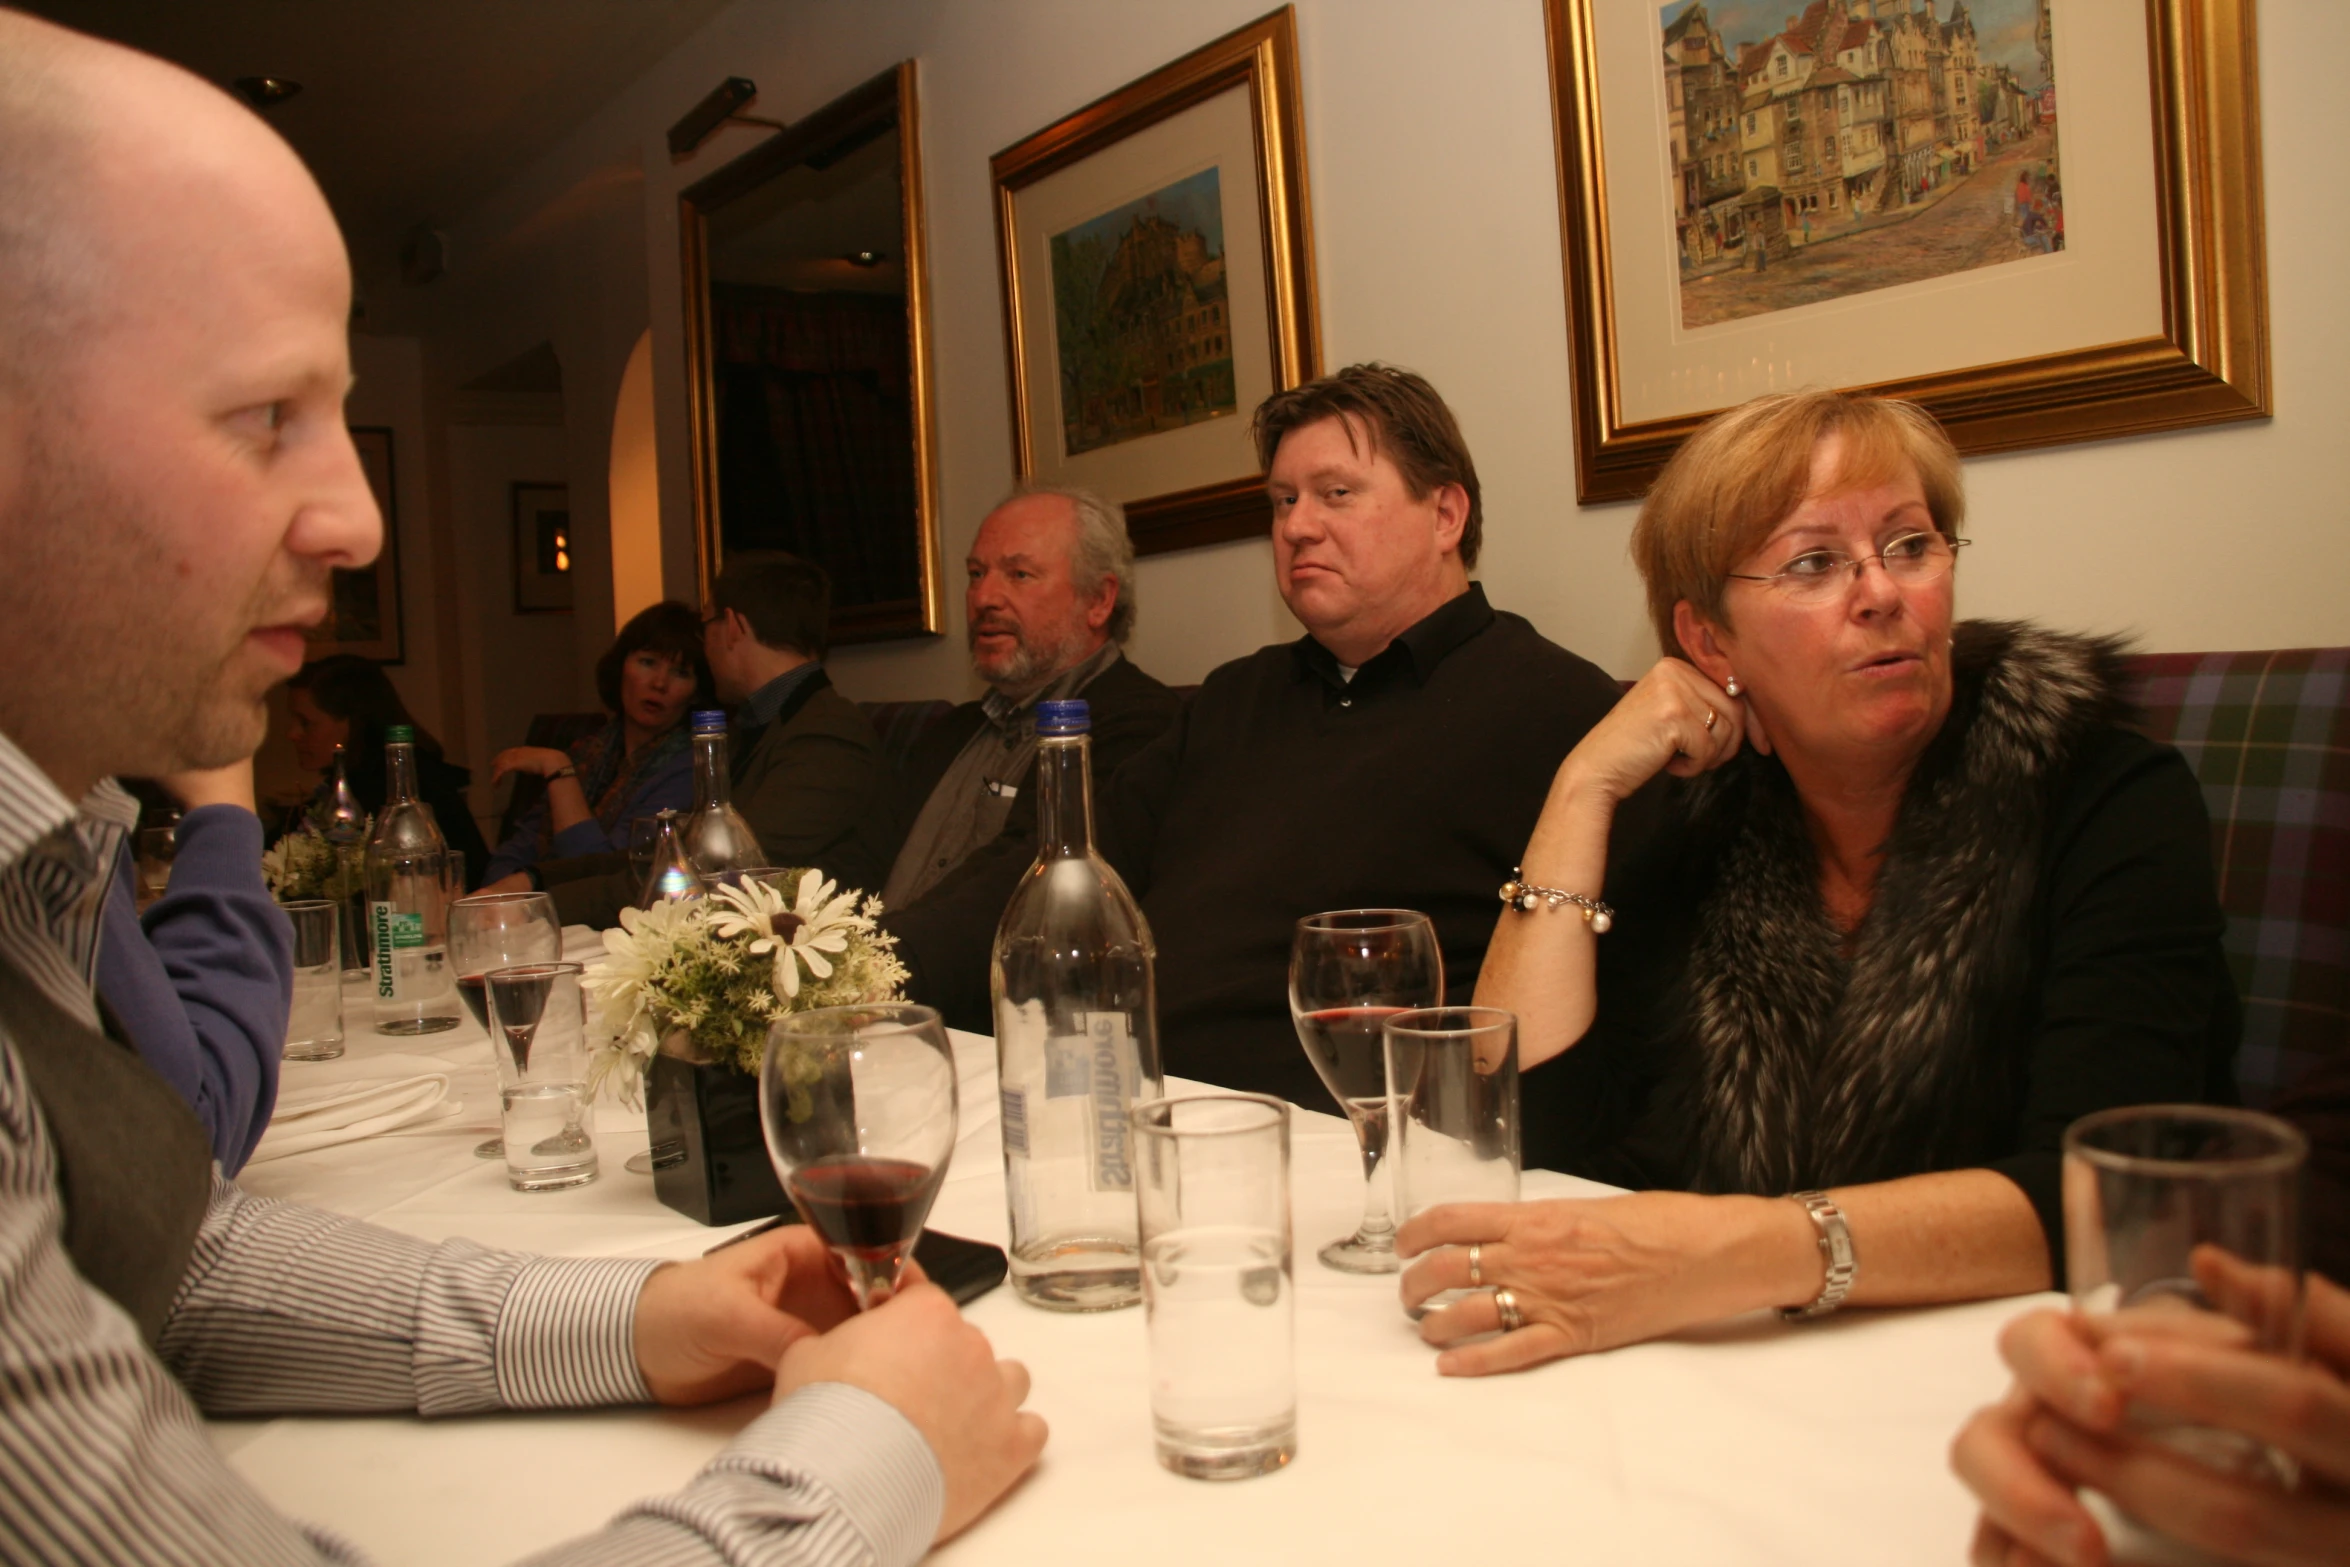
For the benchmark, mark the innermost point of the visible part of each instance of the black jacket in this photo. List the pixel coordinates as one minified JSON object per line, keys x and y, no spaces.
{"x":945,"y":936}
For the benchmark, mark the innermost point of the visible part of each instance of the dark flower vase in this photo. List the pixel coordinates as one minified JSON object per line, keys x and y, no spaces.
{"x":709,"y":1156}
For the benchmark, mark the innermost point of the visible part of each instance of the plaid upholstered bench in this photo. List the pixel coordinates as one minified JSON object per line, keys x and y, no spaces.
{"x":2268,"y":734}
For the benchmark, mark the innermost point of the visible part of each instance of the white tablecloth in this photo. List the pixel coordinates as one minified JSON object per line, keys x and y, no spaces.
{"x":1756,"y":1442}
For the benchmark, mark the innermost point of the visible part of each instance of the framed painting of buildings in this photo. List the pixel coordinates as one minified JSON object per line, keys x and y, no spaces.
{"x":1158,"y":281}
{"x":542,"y":548}
{"x":2041,"y":219}
{"x":363,"y":609}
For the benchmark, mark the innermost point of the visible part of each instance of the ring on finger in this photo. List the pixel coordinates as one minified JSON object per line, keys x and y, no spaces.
{"x":1711,"y":718}
{"x":1476,"y":1265}
{"x":1505,"y":1303}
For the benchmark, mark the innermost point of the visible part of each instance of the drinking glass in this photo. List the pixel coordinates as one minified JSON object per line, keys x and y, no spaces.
{"x":494,"y":930}
{"x":1349,"y":971}
{"x":314,"y":1024}
{"x":2144,"y":1187}
{"x":858,"y":1105}
{"x":1453,"y":1075}
{"x":1212,"y":1190}
{"x":643,"y":833}
{"x":538,"y":1018}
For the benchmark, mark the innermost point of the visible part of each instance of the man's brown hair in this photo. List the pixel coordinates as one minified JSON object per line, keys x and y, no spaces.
{"x":1403,"y":418}
{"x":787,"y":600}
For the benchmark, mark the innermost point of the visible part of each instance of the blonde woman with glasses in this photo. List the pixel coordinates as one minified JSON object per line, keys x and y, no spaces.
{"x":1831,"y":927}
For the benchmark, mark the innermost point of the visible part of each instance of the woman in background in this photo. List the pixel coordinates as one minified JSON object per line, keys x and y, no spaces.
{"x":637,"y":764}
{"x":349,"y":701}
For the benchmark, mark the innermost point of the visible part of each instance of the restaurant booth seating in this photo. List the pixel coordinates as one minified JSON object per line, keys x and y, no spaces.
{"x":2268,"y":735}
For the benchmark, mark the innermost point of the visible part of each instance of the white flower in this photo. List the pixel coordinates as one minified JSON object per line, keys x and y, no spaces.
{"x":811,"y":932}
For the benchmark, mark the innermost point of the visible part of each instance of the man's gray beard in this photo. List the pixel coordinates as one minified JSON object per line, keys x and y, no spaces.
{"x":1031,"y":668}
{"x":84,"y":633}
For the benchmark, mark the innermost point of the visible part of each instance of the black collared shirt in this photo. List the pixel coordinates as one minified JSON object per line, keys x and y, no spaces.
{"x":1286,"y":789}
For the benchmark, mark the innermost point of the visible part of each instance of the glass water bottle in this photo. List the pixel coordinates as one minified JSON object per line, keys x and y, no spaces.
{"x":1076,"y":1010}
{"x":717,"y":839}
{"x":408,"y":903}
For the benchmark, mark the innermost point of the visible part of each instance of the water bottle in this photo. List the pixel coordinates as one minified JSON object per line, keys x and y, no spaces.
{"x":1077,"y":1043}
{"x":717,"y":839}
{"x":672,"y":875}
{"x":408,"y":903}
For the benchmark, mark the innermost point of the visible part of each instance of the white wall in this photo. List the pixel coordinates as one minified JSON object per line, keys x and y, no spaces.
{"x":1431,"y":163}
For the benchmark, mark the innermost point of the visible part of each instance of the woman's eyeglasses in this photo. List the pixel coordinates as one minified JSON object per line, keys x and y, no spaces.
{"x":1815,"y":576}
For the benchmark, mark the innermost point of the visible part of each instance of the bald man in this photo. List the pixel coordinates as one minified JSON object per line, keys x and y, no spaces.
{"x":175,"y":484}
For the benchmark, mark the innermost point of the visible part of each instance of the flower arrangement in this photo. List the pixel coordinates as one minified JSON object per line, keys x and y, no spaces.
{"x":303,"y":864}
{"x":718,"y":970}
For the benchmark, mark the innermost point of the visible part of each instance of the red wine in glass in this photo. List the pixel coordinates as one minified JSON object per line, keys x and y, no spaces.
{"x":869,"y":1206}
{"x":474,"y":991}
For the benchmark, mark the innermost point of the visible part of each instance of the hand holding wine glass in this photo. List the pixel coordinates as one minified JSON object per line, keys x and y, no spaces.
{"x":1349,"y":971}
{"x":859,"y":1108}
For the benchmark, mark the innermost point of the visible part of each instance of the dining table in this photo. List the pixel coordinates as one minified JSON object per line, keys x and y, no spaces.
{"x":1752,"y":1441}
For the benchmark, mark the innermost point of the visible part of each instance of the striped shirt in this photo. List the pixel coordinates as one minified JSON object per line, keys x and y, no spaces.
{"x":287,"y":1309}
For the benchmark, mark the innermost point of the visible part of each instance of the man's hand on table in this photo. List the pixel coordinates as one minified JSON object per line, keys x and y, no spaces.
{"x":716,"y":1327}
{"x":918,"y":1354}
{"x":2061,"y":1428}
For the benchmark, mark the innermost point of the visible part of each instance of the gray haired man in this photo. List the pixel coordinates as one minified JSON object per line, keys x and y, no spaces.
{"x":1050,"y":600}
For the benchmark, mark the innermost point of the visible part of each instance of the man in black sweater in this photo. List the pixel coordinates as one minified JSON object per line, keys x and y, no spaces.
{"x":1397,"y":755}
{"x":1050,"y":602}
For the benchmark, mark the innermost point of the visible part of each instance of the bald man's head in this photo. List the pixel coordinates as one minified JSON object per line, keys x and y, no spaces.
{"x":176,"y":479}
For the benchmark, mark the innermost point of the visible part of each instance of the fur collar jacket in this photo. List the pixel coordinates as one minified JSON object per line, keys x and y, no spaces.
{"x":1814,"y":1065}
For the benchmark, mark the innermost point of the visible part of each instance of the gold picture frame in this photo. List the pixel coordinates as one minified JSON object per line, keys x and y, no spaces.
{"x":363,"y":609}
{"x":1193,"y":481}
{"x":2207,"y":362}
{"x":887,"y":105}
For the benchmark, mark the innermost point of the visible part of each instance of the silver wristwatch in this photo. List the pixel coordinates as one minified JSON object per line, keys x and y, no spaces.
{"x":1835,"y":1250}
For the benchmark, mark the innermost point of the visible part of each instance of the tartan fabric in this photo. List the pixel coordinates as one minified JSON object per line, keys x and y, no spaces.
{"x":2268,"y":735}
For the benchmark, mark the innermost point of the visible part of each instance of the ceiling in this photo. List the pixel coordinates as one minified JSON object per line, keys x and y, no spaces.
{"x":411,"y":110}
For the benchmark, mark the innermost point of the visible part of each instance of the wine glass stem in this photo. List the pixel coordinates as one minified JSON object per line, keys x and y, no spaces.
{"x":1378,"y":1226}
{"x":872,"y":1279}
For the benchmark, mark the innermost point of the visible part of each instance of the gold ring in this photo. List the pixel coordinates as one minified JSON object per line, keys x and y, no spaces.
{"x":1476,"y":1265}
{"x":1711,"y":718}
{"x":1506,"y":1304}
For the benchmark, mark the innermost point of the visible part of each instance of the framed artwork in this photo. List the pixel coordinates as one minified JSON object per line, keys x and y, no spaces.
{"x":363,"y":613}
{"x":1158,"y":279}
{"x":542,"y":548}
{"x":2041,"y":219}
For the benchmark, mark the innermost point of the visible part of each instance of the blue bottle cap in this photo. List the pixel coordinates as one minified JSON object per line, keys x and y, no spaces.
{"x":1063,"y":718}
{"x":708,"y":720}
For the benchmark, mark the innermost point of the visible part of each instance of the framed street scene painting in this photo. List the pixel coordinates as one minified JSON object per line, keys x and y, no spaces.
{"x":363,"y":612}
{"x":1159,"y":283}
{"x":542,"y":547}
{"x":2039,"y":218}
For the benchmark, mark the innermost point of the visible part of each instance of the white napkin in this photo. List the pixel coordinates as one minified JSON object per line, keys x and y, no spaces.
{"x":324,"y":1103}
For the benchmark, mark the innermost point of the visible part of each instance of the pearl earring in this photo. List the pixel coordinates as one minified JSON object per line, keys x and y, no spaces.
{"x":1733,"y":688}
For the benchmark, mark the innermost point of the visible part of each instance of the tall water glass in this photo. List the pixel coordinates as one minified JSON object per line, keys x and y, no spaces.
{"x":314,"y":1024}
{"x":2145,"y":1186}
{"x":494,"y":930}
{"x":1212,"y":1186}
{"x":1349,"y":971}
{"x":1452,"y":1074}
{"x":538,"y":1022}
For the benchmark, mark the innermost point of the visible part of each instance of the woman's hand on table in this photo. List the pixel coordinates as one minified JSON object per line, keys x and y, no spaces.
{"x":1596,"y":1273}
{"x":716,"y":1327}
{"x":917,"y":1354}
{"x":540,"y":759}
{"x":2061,"y":1428}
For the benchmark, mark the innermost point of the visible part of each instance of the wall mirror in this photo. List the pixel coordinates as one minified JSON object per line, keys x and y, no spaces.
{"x":808,"y":352}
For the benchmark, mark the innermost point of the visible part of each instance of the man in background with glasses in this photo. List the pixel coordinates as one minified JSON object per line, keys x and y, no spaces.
{"x":176,"y":482}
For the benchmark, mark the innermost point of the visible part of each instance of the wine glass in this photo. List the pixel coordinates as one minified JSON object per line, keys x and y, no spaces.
{"x":538,"y":1017}
{"x":1349,"y":971}
{"x":858,"y":1104}
{"x":493,"y":930}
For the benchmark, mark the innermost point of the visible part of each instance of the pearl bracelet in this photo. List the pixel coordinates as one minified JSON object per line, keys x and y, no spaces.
{"x":1525,"y":897}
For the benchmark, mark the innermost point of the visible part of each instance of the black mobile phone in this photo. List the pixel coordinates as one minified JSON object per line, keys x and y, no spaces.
{"x":965,"y":1269}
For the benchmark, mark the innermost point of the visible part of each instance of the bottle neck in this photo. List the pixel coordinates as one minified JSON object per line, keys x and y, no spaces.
{"x":399,"y":774}
{"x":711,"y":783}
{"x":1064,"y":796}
